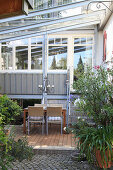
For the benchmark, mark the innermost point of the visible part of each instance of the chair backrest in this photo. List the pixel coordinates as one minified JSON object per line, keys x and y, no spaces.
{"x":54,"y":111}
{"x":54,"y":105}
{"x":40,"y":105}
{"x":35,"y":111}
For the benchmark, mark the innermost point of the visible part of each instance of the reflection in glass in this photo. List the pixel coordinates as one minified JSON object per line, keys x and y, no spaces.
{"x":57,"y":57}
{"x":64,"y":40}
{"x":82,"y":59}
{"x":36,"y":57}
{"x":6,"y":58}
{"x":89,"y":40}
{"x":76,"y":40}
{"x":83,"y":40}
{"x":51,"y":40}
{"x":57,"y":40}
{"x":22,"y":57}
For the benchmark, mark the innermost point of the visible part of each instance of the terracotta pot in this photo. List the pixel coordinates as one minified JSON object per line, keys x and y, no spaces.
{"x":102,"y":163}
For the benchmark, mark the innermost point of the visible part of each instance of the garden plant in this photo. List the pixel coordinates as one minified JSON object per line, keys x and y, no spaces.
{"x":96,"y":100}
{"x":11,"y":150}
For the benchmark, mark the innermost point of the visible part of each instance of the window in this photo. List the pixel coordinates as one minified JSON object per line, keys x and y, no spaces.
{"x":57,"y":53}
{"x":36,"y":53}
{"x":82,"y":55}
{"x":36,"y":57}
{"x":6,"y":58}
{"x":57,"y":57}
{"x":21,"y":57}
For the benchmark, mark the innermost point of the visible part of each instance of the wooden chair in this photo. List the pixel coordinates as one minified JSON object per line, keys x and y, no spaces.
{"x":35,"y":115}
{"x":54,"y":115}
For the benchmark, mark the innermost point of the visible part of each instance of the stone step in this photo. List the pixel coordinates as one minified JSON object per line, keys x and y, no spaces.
{"x":53,"y":150}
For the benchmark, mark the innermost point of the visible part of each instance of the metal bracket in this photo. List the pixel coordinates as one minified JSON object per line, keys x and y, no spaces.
{"x":98,"y":5}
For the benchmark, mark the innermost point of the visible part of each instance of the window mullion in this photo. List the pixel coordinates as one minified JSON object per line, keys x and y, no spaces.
{"x":29,"y":54}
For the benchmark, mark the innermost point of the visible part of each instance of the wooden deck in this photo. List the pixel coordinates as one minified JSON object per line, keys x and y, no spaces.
{"x":54,"y":138}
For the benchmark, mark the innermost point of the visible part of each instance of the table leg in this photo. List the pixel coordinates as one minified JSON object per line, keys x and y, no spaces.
{"x":64,"y":120}
{"x":24,"y":122}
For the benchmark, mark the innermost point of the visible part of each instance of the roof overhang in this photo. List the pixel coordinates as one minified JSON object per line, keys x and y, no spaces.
{"x":29,"y":26}
{"x":11,"y":8}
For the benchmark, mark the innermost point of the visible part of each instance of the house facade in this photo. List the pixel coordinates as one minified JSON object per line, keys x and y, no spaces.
{"x":41,"y":53}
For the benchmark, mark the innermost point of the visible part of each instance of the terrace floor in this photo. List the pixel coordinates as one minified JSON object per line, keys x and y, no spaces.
{"x":54,"y":138}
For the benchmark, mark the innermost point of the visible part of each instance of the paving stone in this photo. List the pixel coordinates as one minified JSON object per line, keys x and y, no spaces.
{"x":52,"y":162}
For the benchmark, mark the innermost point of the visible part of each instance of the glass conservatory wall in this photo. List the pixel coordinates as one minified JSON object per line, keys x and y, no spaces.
{"x":63,"y":52}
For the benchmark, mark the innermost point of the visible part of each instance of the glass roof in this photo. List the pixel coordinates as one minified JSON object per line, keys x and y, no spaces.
{"x":49,"y":15}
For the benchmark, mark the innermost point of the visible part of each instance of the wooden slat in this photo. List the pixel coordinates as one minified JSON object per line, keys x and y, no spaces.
{"x":2,"y":83}
{"x":29,"y":84}
{"x":54,"y":137}
{"x":7,"y":83}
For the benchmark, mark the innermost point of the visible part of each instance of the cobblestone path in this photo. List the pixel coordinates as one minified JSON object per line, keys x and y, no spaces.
{"x":52,"y":162}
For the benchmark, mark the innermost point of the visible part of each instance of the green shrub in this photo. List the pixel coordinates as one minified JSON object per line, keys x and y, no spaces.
{"x":96,"y":95}
{"x":96,"y":101}
{"x":20,"y":150}
{"x":8,"y":110}
{"x":10,"y":149}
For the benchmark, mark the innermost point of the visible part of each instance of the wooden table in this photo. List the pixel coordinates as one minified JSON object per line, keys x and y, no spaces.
{"x":45,"y":111}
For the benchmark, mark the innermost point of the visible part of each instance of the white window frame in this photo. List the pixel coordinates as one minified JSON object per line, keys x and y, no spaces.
{"x":57,"y":36}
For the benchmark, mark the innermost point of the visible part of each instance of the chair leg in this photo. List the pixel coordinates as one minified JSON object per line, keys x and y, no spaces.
{"x":61,"y":126}
{"x":28,"y":125}
{"x":47,"y":126}
{"x":43,"y":126}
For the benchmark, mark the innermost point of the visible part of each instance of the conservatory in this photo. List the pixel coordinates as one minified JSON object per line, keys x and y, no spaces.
{"x":41,"y":52}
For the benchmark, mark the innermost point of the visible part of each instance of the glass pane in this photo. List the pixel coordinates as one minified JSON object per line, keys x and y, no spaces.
{"x":76,"y":40}
{"x":36,"y":57}
{"x":82,"y":59}
{"x":60,"y":2}
{"x":64,"y":40}
{"x":19,"y":42}
{"x":89,"y":40}
{"x":22,"y":57}
{"x":57,"y":40}
{"x":36,"y":40}
{"x":57,"y":57}
{"x":33,"y":40}
{"x":65,"y":1}
{"x":51,"y":40}
{"x":39,"y":40}
{"x":83,"y":40}
{"x":6,"y":58}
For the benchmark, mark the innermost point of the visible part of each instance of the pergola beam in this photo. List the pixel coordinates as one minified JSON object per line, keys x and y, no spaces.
{"x":48,"y":10}
{"x":80,"y":25}
{"x":51,"y":22}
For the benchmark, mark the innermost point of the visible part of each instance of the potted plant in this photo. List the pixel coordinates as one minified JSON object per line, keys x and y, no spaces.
{"x":96,"y":101}
{"x":97,"y":141}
